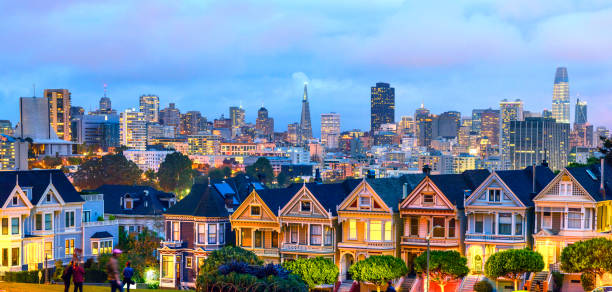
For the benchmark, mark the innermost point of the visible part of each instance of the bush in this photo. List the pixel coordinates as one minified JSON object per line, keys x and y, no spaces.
{"x":588,"y":281}
{"x":313,"y":271}
{"x":483,"y":286}
{"x":95,"y":276}
{"x":59,"y":270}
{"x":22,"y":277}
{"x":378,"y":269}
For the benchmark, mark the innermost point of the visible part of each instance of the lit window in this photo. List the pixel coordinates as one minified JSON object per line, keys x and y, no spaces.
{"x":15,"y":256}
{"x":375,"y":230}
{"x":176,"y":231}
{"x":188,"y":262}
{"x":352,"y":229}
{"x":69,"y":249}
{"x":5,"y":226}
{"x":128,"y":204}
{"x":246,"y":237}
{"x":167,"y":267}
{"x":49,"y":250}
{"x":305,"y":207}
{"x":94,"y":248}
{"x":388,"y":230}
{"x":428,"y":199}
{"x":255,"y":211}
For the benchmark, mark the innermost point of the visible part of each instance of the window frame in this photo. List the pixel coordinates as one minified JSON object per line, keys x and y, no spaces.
{"x":11,"y":230}
{"x":45,"y":221}
{"x":427,"y":202}
{"x":221,"y":233}
{"x":305,"y":203}
{"x":565,"y":188}
{"x":314,"y":237}
{"x":69,"y":246}
{"x":15,"y":201}
{"x":544,"y":225}
{"x":202,"y":233}
{"x":497,"y":195}
{"x":505,"y":225}
{"x":479,"y":222}
{"x":362,"y":204}
{"x":375,"y":223}
{"x":352,"y":234}
{"x":70,"y":216}
{"x":255,"y":207}
{"x":176,"y":230}
{"x":211,"y":235}
{"x":388,"y":230}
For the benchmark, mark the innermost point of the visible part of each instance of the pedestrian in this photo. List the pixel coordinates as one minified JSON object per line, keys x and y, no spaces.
{"x":78,"y":275}
{"x":354,"y":287}
{"x":66,"y":274}
{"x":128,"y":272}
{"x":112,"y":270}
{"x":390,"y":287}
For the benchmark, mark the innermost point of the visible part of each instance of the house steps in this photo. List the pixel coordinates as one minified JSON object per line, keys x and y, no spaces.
{"x":345,"y":286}
{"x":407,"y":284}
{"x":538,"y":277}
{"x":468,"y":283}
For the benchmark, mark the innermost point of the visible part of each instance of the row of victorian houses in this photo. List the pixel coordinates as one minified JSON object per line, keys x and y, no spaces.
{"x":476,"y":213}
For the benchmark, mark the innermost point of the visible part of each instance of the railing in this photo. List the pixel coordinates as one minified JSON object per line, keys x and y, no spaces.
{"x":265,"y":251}
{"x":100,"y":223}
{"x":432,"y":241}
{"x":93,"y":197}
{"x":368,"y":244}
{"x":173,"y":243}
{"x":488,"y":237}
{"x":303,"y":247}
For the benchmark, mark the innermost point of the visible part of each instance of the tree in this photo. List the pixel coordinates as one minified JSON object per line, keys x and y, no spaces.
{"x":261,"y":169}
{"x":110,"y":169}
{"x":512,"y":263}
{"x":216,"y":174}
{"x":175,"y":173}
{"x":314,"y":271}
{"x":378,"y":270}
{"x":593,"y":256}
{"x":444,"y":266}
{"x":142,"y":248}
{"x":282,"y":179}
{"x":606,"y":149}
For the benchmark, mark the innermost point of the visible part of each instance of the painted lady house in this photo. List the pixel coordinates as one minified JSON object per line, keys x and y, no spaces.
{"x":500,"y":213}
{"x":434,"y":209}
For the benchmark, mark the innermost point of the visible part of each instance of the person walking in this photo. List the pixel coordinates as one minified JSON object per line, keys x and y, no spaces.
{"x":66,"y":274}
{"x":112,"y":270}
{"x":128,"y":272}
{"x":390,"y":287}
{"x":78,"y":275}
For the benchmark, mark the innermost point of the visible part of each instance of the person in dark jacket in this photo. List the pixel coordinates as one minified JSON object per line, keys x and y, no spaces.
{"x":66,"y":275}
{"x":78,"y":277}
{"x":128,"y":273}
{"x":390,"y":287}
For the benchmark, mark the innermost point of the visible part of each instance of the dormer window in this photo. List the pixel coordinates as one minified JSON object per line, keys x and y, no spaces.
{"x":364,"y":202}
{"x":428,"y":199}
{"x":129,"y":204}
{"x":15,"y":200}
{"x":494,"y":195}
{"x":305,"y":206}
{"x":255,"y":211}
{"x":565,"y":188}
{"x":48,"y":198}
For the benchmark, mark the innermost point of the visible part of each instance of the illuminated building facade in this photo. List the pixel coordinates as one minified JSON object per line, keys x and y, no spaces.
{"x":509,"y":111}
{"x":330,"y":130}
{"x":59,"y":112}
{"x":149,"y":105}
{"x":536,"y":139}
{"x":133,"y":128}
{"x":305,"y":130}
{"x":203,"y":144}
{"x":561,"y":97}
{"x":382,"y":105}
{"x":489,"y":126}
{"x":264,"y":125}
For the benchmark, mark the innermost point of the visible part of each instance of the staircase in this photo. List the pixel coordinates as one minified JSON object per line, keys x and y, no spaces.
{"x":345,"y":286}
{"x":541,"y":278}
{"x":468,"y":283}
{"x":406,"y":284}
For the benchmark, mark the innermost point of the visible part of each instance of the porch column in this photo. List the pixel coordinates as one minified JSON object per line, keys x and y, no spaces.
{"x":565,"y":217}
{"x":496,"y":223}
{"x":582,"y":217}
{"x":253,"y":238}
{"x":512,"y":229}
{"x":308,"y":235}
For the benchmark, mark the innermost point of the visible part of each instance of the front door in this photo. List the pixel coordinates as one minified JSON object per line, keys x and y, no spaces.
{"x":347,"y":263}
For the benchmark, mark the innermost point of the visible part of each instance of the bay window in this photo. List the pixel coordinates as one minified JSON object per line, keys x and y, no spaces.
{"x":375,"y":230}
{"x":212,"y":233}
{"x":95,"y":247}
{"x":352,"y":229}
{"x":546,"y":220}
{"x":328,"y":236}
{"x":479,"y":223}
{"x":414,"y":226}
{"x":440,"y":230}
{"x":48,"y":222}
{"x":587,"y":218}
{"x":294,"y":233}
{"x":201,"y":233}
{"x":176,"y":231}
{"x":505,"y":223}
{"x":315,"y":234}
{"x":574,"y":216}
{"x":518,"y":223}
{"x":222,"y":233}
{"x":451,"y":228}
{"x":388,"y":230}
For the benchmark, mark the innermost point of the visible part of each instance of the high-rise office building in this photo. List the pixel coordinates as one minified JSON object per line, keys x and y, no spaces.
{"x":105,"y":106}
{"x":509,"y":111}
{"x":561,"y":97}
{"x":264,"y":124}
{"x":6,"y":127}
{"x":489,"y":126}
{"x":407,"y":125}
{"x":133,"y":127}
{"x":382,"y":105}
{"x":305,"y":131}
{"x":600,"y":131}
{"x":59,"y":112}
{"x":330,"y":130}
{"x":293,"y":133}
{"x":581,"y":112}
{"x":170,"y":116}
{"x":446,"y":124}
{"x":477,"y":120}
{"x":100,"y":130}
{"x":149,"y":105}
{"x":536,"y":139}
{"x":192,"y":122}
{"x":424,"y":126}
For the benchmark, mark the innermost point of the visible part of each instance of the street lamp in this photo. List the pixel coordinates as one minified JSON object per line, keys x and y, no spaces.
{"x":428,"y":238}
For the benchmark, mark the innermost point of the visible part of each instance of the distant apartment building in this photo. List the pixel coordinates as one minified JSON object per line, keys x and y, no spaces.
{"x":133,"y":127}
{"x":101,"y":130}
{"x":170,"y":116}
{"x":489,"y":126}
{"x":59,"y":111}
{"x":147,"y":159}
{"x":34,"y":123}
{"x":155,"y":130}
{"x":238,"y":149}
{"x":149,"y":105}
{"x":382,"y":105}
{"x":192,"y":122}
{"x":424,"y":126}
{"x":330,"y":130}
{"x":536,"y":139}
{"x":13,"y":153}
{"x":203,"y":144}
{"x":509,"y":111}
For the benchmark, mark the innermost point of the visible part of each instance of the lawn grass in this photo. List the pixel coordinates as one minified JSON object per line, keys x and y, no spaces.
{"x":23,"y":287}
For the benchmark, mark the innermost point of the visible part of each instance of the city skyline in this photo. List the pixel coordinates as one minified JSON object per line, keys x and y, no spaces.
{"x":517,"y":48}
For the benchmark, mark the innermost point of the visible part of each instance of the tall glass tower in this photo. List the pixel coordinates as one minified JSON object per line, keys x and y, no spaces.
{"x":561,"y":97}
{"x":382,"y":105}
{"x":580,"y":112}
{"x":305,"y":124}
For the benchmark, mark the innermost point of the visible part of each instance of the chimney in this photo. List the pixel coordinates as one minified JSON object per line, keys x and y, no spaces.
{"x":533,"y":181}
{"x":544,"y":163}
{"x":466,"y":194}
{"x":404,"y":191}
{"x":602,"y":188}
{"x":318,"y":176}
{"x":426,"y":169}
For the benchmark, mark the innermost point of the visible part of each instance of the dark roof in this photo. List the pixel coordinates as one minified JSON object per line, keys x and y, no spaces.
{"x":330,"y":195}
{"x":202,"y":201}
{"x":276,"y":199}
{"x":590,"y":179}
{"x":38,"y":180}
{"x":520,"y":181}
{"x":241,"y":185}
{"x":453,"y":186}
{"x":390,"y":190}
{"x":147,"y":199}
{"x":101,"y":234}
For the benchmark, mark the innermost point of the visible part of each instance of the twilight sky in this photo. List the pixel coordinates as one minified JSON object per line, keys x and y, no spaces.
{"x":209,"y":55}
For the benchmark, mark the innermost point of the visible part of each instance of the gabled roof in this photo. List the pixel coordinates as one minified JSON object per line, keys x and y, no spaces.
{"x":202,"y":201}
{"x":453,"y":186}
{"x":589,"y":177}
{"x":113,"y":195}
{"x":390,"y":190}
{"x":239,"y":186}
{"x":329,"y":195}
{"x":276,"y":199}
{"x":520,"y":181}
{"x":38,"y":180}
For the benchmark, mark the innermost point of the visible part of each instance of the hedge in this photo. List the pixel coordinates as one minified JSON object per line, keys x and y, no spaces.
{"x":22,"y":277}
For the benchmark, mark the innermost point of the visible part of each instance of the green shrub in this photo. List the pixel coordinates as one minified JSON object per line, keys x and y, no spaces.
{"x":95,"y":276}
{"x":483,"y":286}
{"x":378,"y":269}
{"x":22,"y":277}
{"x":314,"y":271}
{"x":588,"y":281}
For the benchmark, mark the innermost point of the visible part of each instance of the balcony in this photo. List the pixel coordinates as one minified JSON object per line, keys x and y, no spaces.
{"x":93,"y":197}
{"x":267,"y":252}
{"x":100,"y":223}
{"x":367,"y":244}
{"x":307,"y":248}
{"x":495,"y":237}
{"x":172,"y":244}
{"x":433,"y":241}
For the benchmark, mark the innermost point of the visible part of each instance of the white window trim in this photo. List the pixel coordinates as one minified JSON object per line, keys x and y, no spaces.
{"x":172,"y":230}
{"x":18,"y":226}
{"x":433,"y":198}
{"x":74,"y":221}
{"x":66,"y":246}
{"x":369,"y":206}
{"x":251,"y":210}
{"x":310,"y":206}
{"x":565,"y":188}
{"x":501,"y":194}
{"x":349,"y":230}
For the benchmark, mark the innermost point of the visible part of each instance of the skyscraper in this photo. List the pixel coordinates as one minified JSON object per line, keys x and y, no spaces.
{"x":561,"y":97}
{"x":237,"y":116}
{"x":446,"y":124}
{"x":305,"y":131}
{"x":489,"y":126}
{"x":509,"y":111}
{"x":477,"y":120}
{"x":133,"y":129}
{"x":330,"y":130}
{"x":59,"y":112}
{"x":424,"y":126}
{"x":149,"y":105}
{"x":536,"y":139}
{"x":382,"y":105}
{"x":264,"y":124}
{"x":192,"y":122}
{"x":581,"y":112}
{"x":170,"y":116}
